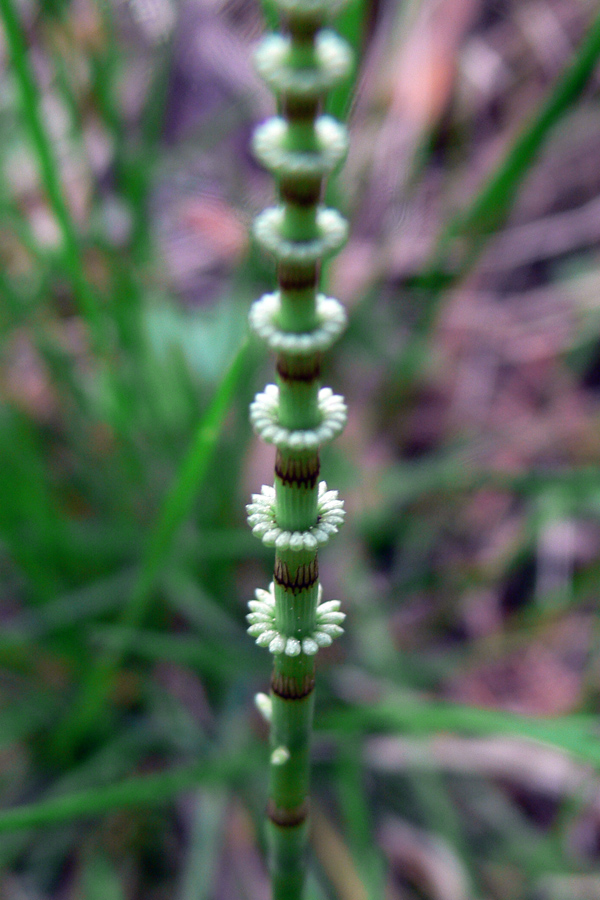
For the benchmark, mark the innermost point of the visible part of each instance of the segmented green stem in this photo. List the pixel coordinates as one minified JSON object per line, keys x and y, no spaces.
{"x":301,"y":148}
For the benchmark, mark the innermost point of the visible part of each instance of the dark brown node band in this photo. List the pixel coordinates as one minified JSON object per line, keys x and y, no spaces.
{"x":300,"y":193}
{"x":292,"y":277}
{"x":288,"y":688}
{"x":306,"y":370}
{"x":287,"y":818}
{"x":300,"y":108}
{"x":302,"y":28}
{"x":306,"y":575}
{"x":303,"y":472}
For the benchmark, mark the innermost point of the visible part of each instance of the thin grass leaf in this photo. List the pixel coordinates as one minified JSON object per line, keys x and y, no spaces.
{"x":212,"y":658}
{"x":148,"y":790}
{"x":174,"y":511}
{"x":351,"y":25}
{"x":200,"y":868}
{"x":49,"y":171}
{"x":463,"y":241}
{"x":577,"y":735}
{"x":32,"y":713}
{"x":491,"y":206}
{"x":358,"y":821}
{"x":100,"y":879}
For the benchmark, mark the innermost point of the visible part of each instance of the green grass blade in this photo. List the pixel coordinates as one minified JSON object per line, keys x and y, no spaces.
{"x":577,"y":735}
{"x":462,"y":242}
{"x":491,"y":206}
{"x":174,"y":511}
{"x":49,"y":171}
{"x":211,"y":658}
{"x":207,"y":832}
{"x":148,"y":790}
{"x":351,"y":25}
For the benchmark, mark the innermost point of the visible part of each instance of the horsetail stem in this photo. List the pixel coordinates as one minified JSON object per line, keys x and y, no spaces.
{"x":301,"y":148}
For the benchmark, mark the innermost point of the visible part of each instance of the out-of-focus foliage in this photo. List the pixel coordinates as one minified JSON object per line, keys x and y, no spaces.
{"x":456,"y":753}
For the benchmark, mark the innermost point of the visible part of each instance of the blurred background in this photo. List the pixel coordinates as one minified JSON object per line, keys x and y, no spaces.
{"x":456,"y":752}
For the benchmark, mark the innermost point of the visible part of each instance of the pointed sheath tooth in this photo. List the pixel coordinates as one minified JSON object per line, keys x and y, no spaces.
{"x":258,"y":510}
{"x":277,"y":645}
{"x":309,"y":646}
{"x":265,"y":638}
{"x":293,"y":647}
{"x":327,"y":528}
{"x":322,"y":639}
{"x":259,"y":606}
{"x":311,"y":542}
{"x":261,"y":529}
{"x":297,"y":540}
{"x":280,"y":756}
{"x":260,"y":614}
{"x":330,"y":606}
{"x":333,"y":630}
{"x":284,"y":540}
{"x":255,"y":618}
{"x":326,"y":433}
{"x":264,"y":705}
{"x":320,"y":593}
{"x":332,"y":618}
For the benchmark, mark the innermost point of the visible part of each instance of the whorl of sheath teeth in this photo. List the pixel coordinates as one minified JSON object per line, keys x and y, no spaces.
{"x":270,"y":149}
{"x":331,"y":318}
{"x":263,"y":521}
{"x":332,"y":232}
{"x":264,"y":416}
{"x":261,"y":619}
{"x":332,"y":64}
